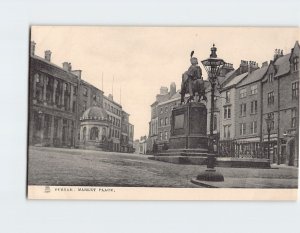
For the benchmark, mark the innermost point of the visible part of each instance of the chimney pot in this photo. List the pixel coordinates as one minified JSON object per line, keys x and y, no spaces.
{"x":48,"y":55}
{"x":67,"y":66}
{"x":32,"y":48}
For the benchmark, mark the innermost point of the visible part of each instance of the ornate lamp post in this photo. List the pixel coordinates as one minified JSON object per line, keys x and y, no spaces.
{"x":212,"y":65}
{"x":269,"y":121}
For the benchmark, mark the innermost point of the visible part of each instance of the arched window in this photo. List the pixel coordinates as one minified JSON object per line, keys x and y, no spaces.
{"x":94,"y":133}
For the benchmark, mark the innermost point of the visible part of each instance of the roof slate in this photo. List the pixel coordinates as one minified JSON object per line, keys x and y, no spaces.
{"x":254,"y":76}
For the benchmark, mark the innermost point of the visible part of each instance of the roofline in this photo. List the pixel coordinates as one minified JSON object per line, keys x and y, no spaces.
{"x":105,"y":97}
{"x":52,"y":64}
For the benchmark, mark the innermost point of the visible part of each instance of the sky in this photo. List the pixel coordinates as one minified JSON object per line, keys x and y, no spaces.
{"x":137,"y":61}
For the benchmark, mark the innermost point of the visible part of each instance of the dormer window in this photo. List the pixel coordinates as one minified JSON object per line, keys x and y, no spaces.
{"x":296,"y":63}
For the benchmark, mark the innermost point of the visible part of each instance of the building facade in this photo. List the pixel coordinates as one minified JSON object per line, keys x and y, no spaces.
{"x":53,"y":100}
{"x":59,"y":105}
{"x":114,"y":111}
{"x":280,"y":91}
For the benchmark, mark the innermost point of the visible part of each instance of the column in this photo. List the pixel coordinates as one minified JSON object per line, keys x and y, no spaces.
{"x":71,"y":98}
{"x":63,"y":95}
{"x":52,"y":131}
{"x":54,"y":91}
{"x":45,"y":89}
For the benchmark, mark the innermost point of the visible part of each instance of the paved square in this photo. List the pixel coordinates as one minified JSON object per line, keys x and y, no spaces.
{"x":56,"y":166}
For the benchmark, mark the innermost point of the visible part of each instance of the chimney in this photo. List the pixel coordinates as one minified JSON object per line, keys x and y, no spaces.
{"x":172,"y":89}
{"x":67,"y":66}
{"x":265,"y":63}
{"x":110,"y":96}
{"x":278,"y":53}
{"x":243,"y":67}
{"x":48,"y":55}
{"x":252,"y":66}
{"x":32,"y":48}
{"x":163,"y":91}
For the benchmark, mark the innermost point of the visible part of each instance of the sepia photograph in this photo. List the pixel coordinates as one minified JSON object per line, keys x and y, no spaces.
{"x":163,"y":113}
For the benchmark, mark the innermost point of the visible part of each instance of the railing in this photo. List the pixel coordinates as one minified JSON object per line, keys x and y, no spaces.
{"x":245,"y":149}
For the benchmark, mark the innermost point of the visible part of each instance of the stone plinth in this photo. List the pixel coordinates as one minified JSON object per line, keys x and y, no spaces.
{"x":189,"y":127}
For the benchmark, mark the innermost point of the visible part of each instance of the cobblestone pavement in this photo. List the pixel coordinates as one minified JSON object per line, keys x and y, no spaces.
{"x":55,"y":166}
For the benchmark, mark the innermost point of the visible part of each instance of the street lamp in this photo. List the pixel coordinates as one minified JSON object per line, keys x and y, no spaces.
{"x":269,"y":122}
{"x":212,"y":65}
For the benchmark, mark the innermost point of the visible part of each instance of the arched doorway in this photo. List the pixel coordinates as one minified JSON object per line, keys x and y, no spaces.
{"x":94,"y":133}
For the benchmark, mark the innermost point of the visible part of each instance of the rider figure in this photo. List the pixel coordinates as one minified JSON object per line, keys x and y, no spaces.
{"x":194,"y":72}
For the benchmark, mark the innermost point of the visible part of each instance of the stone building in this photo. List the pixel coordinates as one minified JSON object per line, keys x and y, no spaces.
{"x":225,"y":74}
{"x":131,"y":135}
{"x":280,"y":92}
{"x":53,"y":102}
{"x":114,"y":111}
{"x":62,"y":105}
{"x":127,"y":131}
{"x":248,"y":111}
{"x":94,"y":129}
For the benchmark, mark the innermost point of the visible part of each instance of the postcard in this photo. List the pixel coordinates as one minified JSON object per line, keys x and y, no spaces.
{"x":163,"y":113}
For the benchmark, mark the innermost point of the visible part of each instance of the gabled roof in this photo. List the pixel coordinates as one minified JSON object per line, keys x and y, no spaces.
{"x":236,"y":80}
{"x":254,"y":76}
{"x":282,"y":65}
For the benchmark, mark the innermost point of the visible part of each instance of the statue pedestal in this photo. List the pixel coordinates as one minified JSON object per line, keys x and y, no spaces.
{"x":188,"y":141}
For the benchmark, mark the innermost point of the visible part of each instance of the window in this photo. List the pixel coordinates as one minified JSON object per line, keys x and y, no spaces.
{"x":254,"y":107}
{"x":253,"y":127}
{"x":254,"y":89}
{"x":166,"y":109}
{"x":161,"y":110}
{"x":166,"y":121}
{"x":271,"y":98}
{"x":242,"y":128}
{"x":295,"y":90}
{"x":227,"y":131}
{"x":270,"y":78}
{"x":215,"y":123}
{"x":293,"y":125}
{"x":166,"y":135}
{"x":227,"y":96}
{"x":85,"y":91}
{"x":271,"y":115}
{"x":160,"y":136}
{"x":84,"y":106}
{"x":243,"y":93}
{"x":243,"y":110}
{"x":227,"y":112}
{"x":75,"y":91}
{"x":161,"y":121}
{"x":296,"y":63}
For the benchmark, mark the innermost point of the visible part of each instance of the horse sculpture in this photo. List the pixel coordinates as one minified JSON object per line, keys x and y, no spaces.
{"x":192,"y":82}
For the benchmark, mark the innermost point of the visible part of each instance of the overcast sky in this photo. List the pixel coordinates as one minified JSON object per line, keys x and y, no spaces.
{"x":142,"y":59}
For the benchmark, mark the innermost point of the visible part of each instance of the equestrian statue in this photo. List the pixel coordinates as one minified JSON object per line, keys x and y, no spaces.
{"x":192,"y":82}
